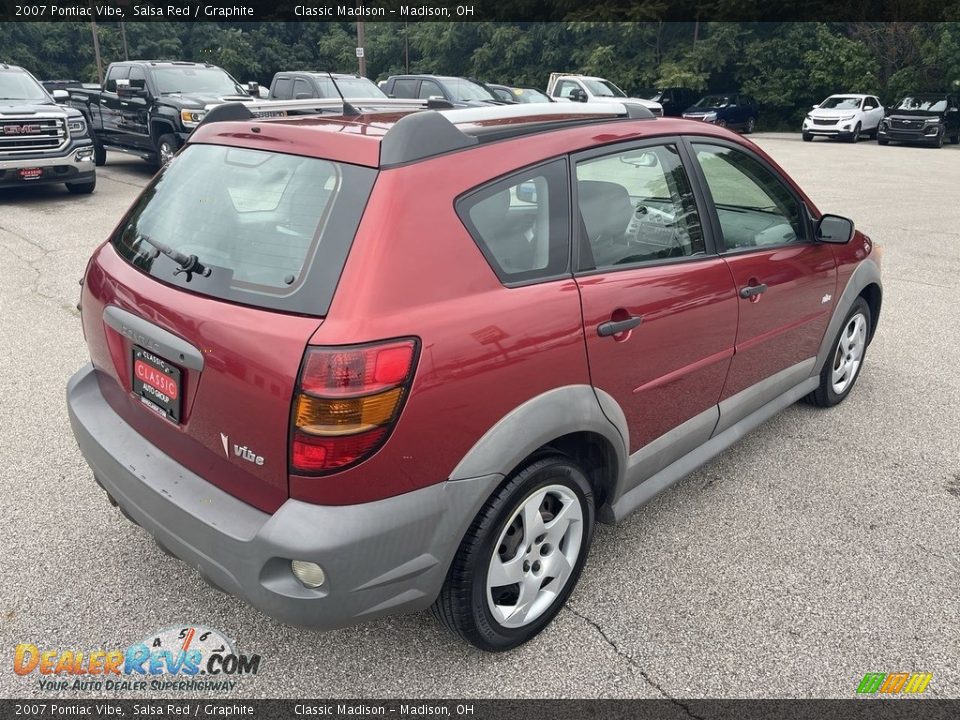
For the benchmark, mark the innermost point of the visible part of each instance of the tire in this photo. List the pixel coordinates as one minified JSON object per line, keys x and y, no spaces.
{"x":498,"y":539}
{"x":882,"y":141}
{"x":955,"y":139}
{"x":167,"y":146}
{"x":832,"y":391}
{"x":938,"y":143}
{"x":751,"y":125}
{"x":807,"y":137}
{"x":721,"y":123}
{"x":874,"y":132}
{"x":82,"y":188}
{"x":855,"y":135}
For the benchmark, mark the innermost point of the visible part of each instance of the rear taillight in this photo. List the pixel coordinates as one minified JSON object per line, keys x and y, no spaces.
{"x":348,"y":400}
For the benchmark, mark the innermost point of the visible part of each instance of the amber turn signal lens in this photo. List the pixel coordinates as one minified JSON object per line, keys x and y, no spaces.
{"x":342,"y":416}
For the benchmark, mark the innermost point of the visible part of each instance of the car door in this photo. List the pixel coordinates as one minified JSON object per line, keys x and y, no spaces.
{"x":430,"y":89}
{"x":133,"y":124}
{"x":405,"y":88}
{"x":659,"y":307}
{"x":872,"y":113}
{"x":110,"y":103}
{"x":786,"y":282}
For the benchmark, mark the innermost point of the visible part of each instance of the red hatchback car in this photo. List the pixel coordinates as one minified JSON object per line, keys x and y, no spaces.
{"x":362,"y":362}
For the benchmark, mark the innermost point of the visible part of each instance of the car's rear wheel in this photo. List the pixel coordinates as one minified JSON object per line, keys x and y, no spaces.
{"x":842,"y":368}
{"x":521,"y":557}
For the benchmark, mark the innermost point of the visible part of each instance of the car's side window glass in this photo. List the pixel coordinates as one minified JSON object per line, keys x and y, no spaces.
{"x":429,"y":89}
{"x":521,"y":223}
{"x":565,"y":88}
{"x":302,"y":89}
{"x":638,"y":206}
{"x":755,"y":208}
{"x":404,"y":88}
{"x":283,"y":90}
{"x":118,"y":72}
{"x":138,"y":78}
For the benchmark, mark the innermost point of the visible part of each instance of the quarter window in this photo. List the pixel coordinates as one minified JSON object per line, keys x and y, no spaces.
{"x":637,"y":206}
{"x":755,"y":208}
{"x":521,"y":224}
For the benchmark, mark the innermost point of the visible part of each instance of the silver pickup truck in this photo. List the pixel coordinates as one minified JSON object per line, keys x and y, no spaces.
{"x":41,"y":141}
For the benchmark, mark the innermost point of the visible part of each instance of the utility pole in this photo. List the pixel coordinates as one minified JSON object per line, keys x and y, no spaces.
{"x":406,"y":49}
{"x":96,"y":50}
{"x":360,"y":53}
{"x":123,"y":34}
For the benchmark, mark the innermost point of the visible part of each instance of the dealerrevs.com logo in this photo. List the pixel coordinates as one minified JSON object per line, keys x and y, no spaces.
{"x":186,"y":658}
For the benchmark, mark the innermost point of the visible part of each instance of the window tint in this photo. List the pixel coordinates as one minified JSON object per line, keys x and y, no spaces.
{"x":637,"y":206}
{"x":283,"y":90}
{"x":429,"y":89}
{"x":302,"y":89}
{"x":404,"y":88}
{"x":261,"y":221}
{"x":755,"y":208}
{"x":117,"y":72}
{"x":138,"y":78}
{"x":521,"y":224}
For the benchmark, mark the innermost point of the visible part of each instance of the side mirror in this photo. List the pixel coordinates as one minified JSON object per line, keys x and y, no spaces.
{"x":527,"y":192}
{"x":816,"y":106}
{"x":834,"y":229}
{"x":60,"y":95}
{"x":253,"y":88}
{"x":578,"y":95}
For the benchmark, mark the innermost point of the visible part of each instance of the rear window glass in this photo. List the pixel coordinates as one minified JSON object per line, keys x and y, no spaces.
{"x":273,"y":230}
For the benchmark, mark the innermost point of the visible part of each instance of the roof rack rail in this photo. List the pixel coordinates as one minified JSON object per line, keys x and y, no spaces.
{"x":314,"y":106}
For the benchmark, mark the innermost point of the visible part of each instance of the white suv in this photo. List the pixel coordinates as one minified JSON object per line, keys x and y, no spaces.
{"x":844,"y":116}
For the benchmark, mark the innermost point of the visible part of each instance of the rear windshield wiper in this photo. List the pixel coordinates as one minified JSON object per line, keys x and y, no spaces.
{"x":189,"y":264}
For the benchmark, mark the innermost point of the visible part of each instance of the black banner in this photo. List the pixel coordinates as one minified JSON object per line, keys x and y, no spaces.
{"x":476,"y":10}
{"x":925,"y":709}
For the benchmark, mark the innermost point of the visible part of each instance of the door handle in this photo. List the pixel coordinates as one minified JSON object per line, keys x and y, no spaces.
{"x":752,"y":290}
{"x":615,"y":327}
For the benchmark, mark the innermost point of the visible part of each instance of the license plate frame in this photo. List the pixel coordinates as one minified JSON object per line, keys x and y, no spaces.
{"x":157,"y":384}
{"x":30,"y":173}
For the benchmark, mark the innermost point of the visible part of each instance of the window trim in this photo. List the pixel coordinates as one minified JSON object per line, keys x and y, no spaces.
{"x":577,"y":228}
{"x":701,"y":180}
{"x":463,"y":215}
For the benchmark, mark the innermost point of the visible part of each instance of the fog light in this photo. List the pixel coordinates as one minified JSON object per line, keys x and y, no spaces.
{"x":310,"y":574}
{"x":83,"y":155}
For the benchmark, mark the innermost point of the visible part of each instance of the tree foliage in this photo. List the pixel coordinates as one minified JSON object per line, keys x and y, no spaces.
{"x":787,"y":66}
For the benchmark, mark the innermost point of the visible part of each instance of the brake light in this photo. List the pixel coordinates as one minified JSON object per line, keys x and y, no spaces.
{"x":348,"y":400}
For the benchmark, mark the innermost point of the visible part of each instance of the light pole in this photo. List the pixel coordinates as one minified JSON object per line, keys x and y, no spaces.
{"x":360,"y":53}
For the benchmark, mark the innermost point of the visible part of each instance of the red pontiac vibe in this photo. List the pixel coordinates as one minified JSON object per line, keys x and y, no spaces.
{"x":375,"y":357}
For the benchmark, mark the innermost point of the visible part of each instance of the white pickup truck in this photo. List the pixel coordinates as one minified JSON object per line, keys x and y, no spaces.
{"x":586,"y":88}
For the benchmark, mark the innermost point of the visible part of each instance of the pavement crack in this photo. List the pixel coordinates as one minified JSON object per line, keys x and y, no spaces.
{"x":633,"y":663}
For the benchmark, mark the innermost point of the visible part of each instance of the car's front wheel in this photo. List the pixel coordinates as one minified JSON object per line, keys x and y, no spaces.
{"x":855,"y":135}
{"x":521,"y":557}
{"x":751,"y":125}
{"x":82,"y":188}
{"x":842,"y":367}
{"x":807,"y":137}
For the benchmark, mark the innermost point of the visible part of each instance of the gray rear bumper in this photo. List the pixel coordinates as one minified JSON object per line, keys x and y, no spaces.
{"x":380,"y":558}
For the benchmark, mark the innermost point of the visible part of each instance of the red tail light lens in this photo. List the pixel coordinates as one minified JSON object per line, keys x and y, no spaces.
{"x":348,"y":401}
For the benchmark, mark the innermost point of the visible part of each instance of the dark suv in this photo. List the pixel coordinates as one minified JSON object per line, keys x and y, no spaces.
{"x":925,"y":119}
{"x":375,"y":362}
{"x":734,"y":110}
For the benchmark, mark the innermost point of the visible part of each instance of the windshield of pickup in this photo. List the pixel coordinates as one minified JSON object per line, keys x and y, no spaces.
{"x":930,"y":103}
{"x":202,"y":80}
{"x":273,"y":229}
{"x":837,"y":102}
{"x":603,"y":88}
{"x":17,"y":85}
{"x":351,"y":87}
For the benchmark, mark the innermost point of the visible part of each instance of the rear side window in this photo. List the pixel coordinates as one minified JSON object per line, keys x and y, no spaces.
{"x":273,"y":229}
{"x":404,"y":89}
{"x":521,"y":223}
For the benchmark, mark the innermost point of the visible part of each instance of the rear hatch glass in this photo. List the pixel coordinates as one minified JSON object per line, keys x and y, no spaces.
{"x":248,"y":226}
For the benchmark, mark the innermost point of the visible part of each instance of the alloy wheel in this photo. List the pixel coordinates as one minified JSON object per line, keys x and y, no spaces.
{"x":849,"y":353}
{"x":535,"y":555}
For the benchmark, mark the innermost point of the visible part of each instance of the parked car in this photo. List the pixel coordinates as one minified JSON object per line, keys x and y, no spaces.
{"x":922,"y":118}
{"x":41,"y":142}
{"x":509,"y":94}
{"x":844,"y":116}
{"x":461,"y":92}
{"x":301,"y":85}
{"x":734,"y":110}
{"x":149,"y":108}
{"x":361,"y":373}
{"x":674,"y":100}
{"x":586,"y":88}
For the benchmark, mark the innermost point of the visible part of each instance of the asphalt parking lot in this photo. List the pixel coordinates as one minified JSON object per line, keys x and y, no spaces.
{"x":821,"y":547}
